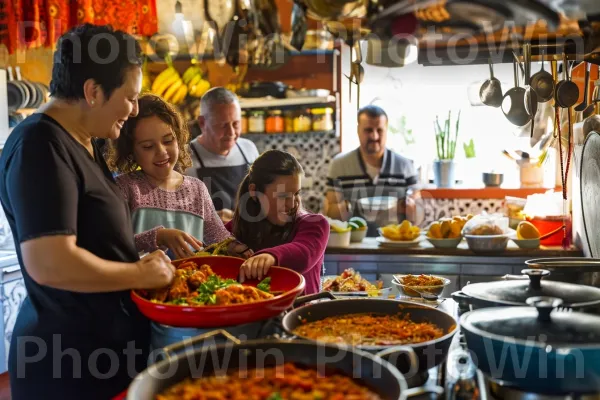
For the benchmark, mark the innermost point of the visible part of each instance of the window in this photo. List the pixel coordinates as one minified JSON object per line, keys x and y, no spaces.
{"x":413,"y":96}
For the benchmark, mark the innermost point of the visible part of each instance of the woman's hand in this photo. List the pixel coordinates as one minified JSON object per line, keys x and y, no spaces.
{"x":256,"y":267}
{"x":237,"y":249}
{"x":178,"y":241}
{"x":156,"y":270}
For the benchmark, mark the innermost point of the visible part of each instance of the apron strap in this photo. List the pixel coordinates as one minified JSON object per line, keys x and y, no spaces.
{"x":243,"y":155}
{"x":197,"y":153}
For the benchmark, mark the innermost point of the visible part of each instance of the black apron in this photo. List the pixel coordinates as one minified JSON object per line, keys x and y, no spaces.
{"x":222,"y":182}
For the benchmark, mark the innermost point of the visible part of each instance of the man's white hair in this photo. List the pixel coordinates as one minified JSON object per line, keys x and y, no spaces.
{"x":216,"y":96}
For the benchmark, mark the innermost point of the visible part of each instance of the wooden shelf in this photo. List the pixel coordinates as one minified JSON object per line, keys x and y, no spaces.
{"x":480,"y":193}
{"x":266,"y":102}
{"x":297,"y":134}
{"x":210,"y":56}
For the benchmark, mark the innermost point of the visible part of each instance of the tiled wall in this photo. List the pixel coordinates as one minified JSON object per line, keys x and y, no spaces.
{"x":434,"y":209}
{"x":315,"y":150}
{"x":13,"y":294}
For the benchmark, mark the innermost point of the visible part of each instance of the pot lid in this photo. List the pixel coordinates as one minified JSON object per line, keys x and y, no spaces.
{"x":590,"y":191}
{"x":542,"y":323}
{"x":516,"y":292}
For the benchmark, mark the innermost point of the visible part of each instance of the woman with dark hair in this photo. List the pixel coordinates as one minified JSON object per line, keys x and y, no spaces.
{"x":269,"y":219}
{"x":77,"y":335}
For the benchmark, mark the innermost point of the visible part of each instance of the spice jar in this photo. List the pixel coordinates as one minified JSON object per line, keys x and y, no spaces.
{"x":288,"y":117}
{"x":302,"y":121}
{"x":322,"y":119}
{"x":256,"y":121}
{"x":244,"y":122}
{"x":275,"y":122}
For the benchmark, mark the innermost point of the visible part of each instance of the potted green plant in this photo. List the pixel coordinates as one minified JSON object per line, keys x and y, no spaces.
{"x":443,"y":167}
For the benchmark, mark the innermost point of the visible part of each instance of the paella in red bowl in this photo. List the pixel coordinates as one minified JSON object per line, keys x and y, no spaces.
{"x":205,"y":294}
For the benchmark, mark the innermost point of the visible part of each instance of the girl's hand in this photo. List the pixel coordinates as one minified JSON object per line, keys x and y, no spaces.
{"x":256,"y":267}
{"x":237,"y":249}
{"x":178,"y":241}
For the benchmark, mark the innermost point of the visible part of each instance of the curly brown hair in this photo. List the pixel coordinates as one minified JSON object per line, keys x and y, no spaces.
{"x":120,"y":153}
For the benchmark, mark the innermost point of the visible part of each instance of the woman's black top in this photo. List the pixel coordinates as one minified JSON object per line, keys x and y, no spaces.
{"x":51,"y":185}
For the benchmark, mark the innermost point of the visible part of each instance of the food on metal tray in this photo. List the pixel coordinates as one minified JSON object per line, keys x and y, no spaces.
{"x":369,"y":329}
{"x":404,"y":231}
{"x":350,"y":281}
{"x":486,"y":230}
{"x":200,"y":286}
{"x":526,"y":230}
{"x":448,"y":228}
{"x":420,"y":280}
{"x":286,"y":381}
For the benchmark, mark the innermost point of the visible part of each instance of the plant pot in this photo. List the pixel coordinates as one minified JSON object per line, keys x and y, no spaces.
{"x":443,"y":173}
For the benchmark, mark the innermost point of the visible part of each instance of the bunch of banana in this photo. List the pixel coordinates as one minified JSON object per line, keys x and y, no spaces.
{"x":196,"y":85}
{"x":169,"y":85}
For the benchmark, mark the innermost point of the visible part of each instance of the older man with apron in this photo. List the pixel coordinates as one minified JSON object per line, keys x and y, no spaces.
{"x":220,"y":158}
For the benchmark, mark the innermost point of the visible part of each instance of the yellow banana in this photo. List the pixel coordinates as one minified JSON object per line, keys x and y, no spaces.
{"x":169,"y":94}
{"x":180,"y":95}
{"x":194,"y":81}
{"x":200,"y":88}
{"x":166,"y":84}
{"x":164,"y":75}
{"x":189,"y":74}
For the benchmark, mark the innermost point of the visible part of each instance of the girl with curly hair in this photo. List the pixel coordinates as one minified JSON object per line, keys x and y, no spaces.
{"x":169,"y":209}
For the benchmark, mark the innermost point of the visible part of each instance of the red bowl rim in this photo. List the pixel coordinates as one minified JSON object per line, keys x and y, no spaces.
{"x":298,"y":288}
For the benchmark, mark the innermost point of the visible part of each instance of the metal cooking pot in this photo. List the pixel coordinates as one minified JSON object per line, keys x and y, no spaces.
{"x":577,"y":270}
{"x":369,"y":370}
{"x":429,"y":354}
{"x":536,"y":349}
{"x":516,"y":292}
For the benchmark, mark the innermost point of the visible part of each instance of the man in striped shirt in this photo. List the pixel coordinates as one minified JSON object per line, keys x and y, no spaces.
{"x":372,"y":170}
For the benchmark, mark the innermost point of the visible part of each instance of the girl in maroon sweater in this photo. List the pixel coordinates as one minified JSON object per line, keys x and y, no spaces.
{"x":269,"y":218}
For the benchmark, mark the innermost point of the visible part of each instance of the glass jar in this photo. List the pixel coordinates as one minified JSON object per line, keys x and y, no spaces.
{"x":302,"y":121}
{"x":256,"y":122}
{"x":322,"y":119}
{"x":244,"y":122}
{"x":288,"y":117}
{"x":275,"y":122}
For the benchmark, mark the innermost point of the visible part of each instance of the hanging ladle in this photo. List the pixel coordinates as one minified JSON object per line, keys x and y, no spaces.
{"x":513,"y":103}
{"x":491,"y":90}
{"x":543,"y":84}
{"x":531,"y":100}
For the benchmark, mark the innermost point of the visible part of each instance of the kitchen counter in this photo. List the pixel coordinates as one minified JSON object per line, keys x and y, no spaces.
{"x":371,"y":246}
{"x":460,"y":265}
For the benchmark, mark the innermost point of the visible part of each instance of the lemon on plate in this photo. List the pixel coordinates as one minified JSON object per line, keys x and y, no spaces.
{"x":526,"y":230}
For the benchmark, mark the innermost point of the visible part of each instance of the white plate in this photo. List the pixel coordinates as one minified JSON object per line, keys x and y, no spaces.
{"x":385,"y":242}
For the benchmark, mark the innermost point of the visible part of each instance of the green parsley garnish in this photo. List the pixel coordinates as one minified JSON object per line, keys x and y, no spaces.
{"x":265,"y":285}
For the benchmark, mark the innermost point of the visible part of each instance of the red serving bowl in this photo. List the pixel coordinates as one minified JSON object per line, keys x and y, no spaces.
{"x":283,"y":280}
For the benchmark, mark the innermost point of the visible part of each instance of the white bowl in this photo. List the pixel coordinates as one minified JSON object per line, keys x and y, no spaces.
{"x":487,"y":243}
{"x":444,"y":243}
{"x":339,"y":239}
{"x":358,"y":236}
{"x":527,"y":243}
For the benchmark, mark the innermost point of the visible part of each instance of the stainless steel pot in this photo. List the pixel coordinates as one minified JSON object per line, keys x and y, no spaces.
{"x":491,"y":179}
{"x":515,"y":292}
{"x":578,"y":270}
